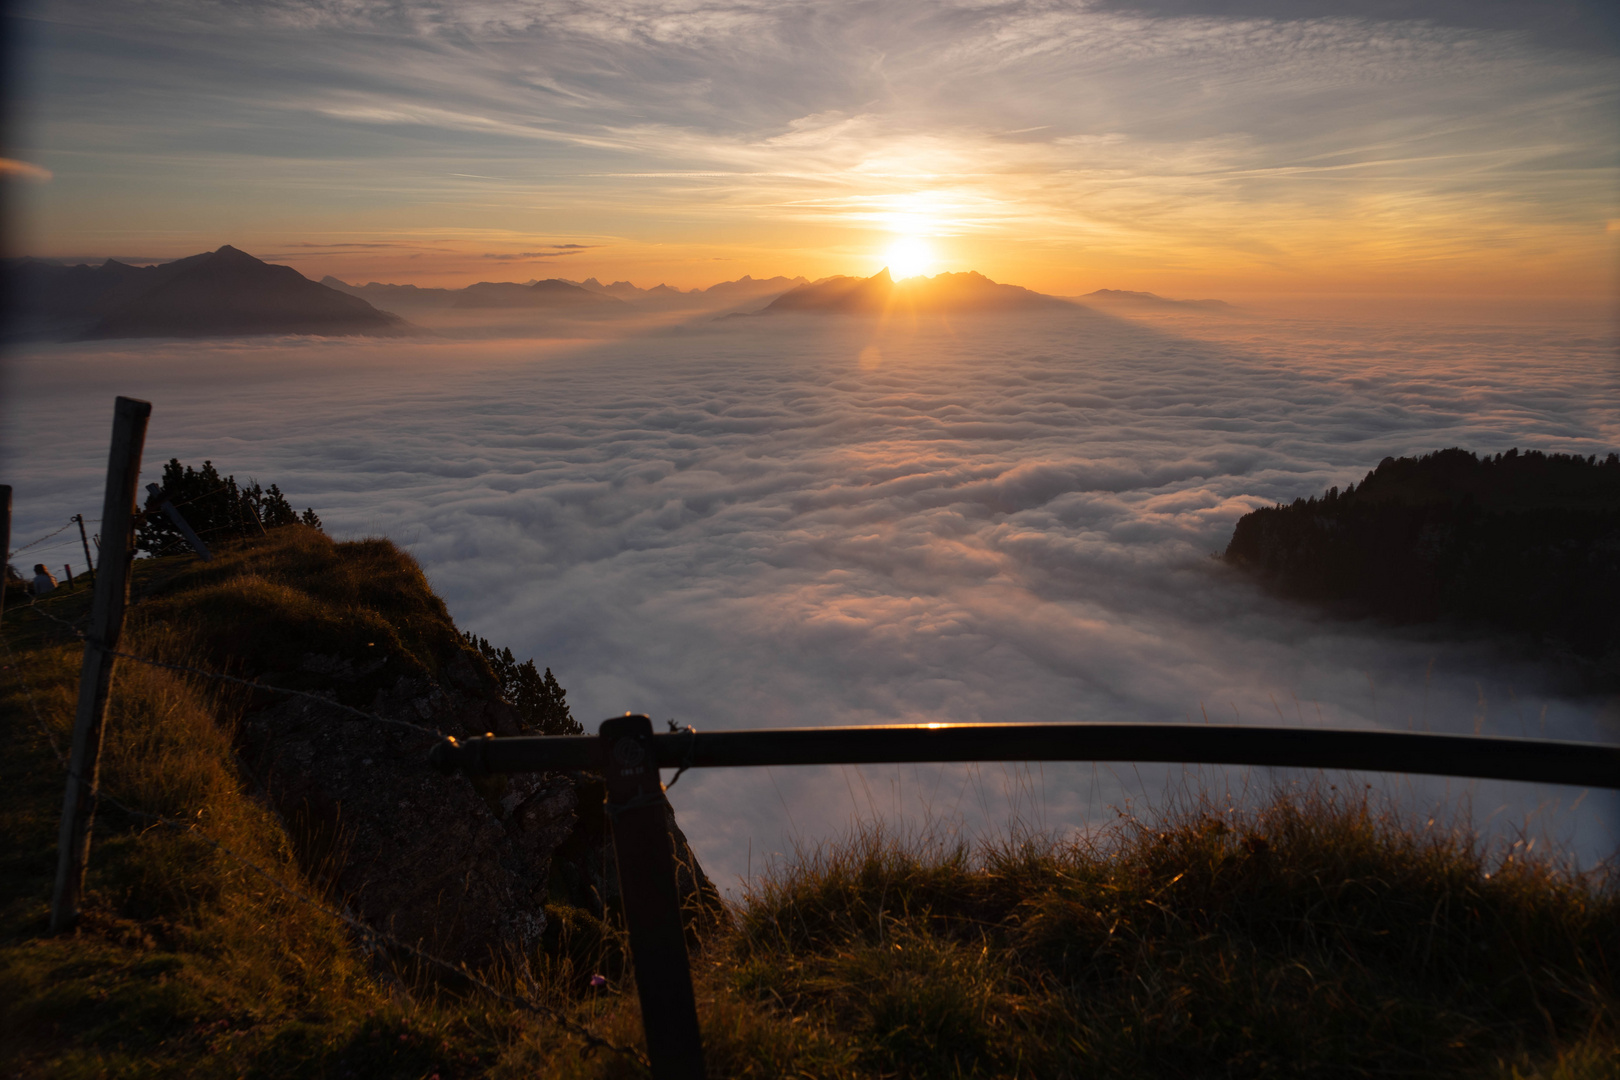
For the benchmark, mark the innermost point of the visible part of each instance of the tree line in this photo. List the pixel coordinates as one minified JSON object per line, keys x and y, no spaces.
{"x":1527,"y":542}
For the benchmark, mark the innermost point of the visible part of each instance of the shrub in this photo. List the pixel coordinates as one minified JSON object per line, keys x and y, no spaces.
{"x":215,"y":507}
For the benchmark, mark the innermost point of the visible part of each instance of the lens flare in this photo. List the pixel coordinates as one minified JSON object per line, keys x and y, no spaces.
{"x":909,"y":256}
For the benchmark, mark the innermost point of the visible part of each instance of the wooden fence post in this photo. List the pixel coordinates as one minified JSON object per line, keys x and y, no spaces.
{"x":95,"y":678}
{"x":5,"y":542}
{"x":89,"y":563}
{"x":644,"y":851}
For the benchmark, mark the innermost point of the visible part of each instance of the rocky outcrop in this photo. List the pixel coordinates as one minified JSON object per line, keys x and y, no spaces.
{"x":465,"y":868}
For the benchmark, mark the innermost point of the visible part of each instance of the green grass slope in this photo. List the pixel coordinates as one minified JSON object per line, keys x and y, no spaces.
{"x":1312,"y":937}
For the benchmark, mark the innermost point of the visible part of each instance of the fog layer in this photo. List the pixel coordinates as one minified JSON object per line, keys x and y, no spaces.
{"x":838,"y":521}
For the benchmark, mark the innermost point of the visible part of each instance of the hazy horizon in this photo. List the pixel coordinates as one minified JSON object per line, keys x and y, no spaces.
{"x":1188,"y":148}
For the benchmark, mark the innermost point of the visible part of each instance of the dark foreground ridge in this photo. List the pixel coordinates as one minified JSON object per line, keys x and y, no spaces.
{"x":1524,"y":542}
{"x":1315,"y":935}
{"x":224,"y":293}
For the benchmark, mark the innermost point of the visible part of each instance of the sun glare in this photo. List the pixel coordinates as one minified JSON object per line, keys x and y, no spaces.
{"x":909,"y":256}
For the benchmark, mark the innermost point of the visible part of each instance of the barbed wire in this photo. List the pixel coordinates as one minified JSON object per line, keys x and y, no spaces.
{"x":39,"y":721}
{"x":370,"y":934}
{"x":362,"y":713}
{"x":37,"y":610}
{"x":254,"y":684}
{"x":41,"y":540}
{"x":373,"y":935}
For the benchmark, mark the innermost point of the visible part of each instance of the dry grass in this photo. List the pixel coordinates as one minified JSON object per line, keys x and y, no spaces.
{"x":187,"y":962}
{"x":1314,"y":935}
{"x":1318,"y":935}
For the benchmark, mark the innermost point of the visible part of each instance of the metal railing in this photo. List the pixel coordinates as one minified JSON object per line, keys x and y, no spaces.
{"x":629,"y":754}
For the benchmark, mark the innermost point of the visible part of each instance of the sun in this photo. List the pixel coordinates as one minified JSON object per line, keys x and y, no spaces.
{"x":909,"y":256}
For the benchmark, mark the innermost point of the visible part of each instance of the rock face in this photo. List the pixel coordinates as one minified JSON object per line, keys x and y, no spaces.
{"x":224,"y":293}
{"x":1528,"y":543}
{"x":880,"y":294}
{"x":465,"y":867}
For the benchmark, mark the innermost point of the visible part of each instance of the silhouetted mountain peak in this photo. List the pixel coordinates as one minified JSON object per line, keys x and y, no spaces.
{"x":221,"y":293}
{"x":968,"y":291}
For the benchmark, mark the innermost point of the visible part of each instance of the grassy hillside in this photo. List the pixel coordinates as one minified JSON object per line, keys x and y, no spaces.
{"x":1314,"y":936}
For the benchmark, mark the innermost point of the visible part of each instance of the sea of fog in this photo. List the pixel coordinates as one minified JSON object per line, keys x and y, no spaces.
{"x":803,"y":521}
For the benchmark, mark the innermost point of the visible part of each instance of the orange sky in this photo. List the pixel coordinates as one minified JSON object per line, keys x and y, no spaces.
{"x":1064,"y":149}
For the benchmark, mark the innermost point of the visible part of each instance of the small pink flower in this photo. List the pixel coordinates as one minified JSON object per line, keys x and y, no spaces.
{"x":598,"y":981}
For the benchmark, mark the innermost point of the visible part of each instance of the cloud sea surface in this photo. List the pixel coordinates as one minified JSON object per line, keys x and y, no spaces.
{"x":839,"y":521}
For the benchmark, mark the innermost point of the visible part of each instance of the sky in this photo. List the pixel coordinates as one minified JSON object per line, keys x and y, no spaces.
{"x":1188,"y":147}
{"x":819,"y":520}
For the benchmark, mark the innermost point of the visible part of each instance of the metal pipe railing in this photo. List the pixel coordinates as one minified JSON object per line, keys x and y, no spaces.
{"x":1492,"y":758}
{"x":629,"y":754}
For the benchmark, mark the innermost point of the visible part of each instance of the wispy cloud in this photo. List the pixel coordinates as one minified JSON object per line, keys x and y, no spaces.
{"x":22,"y":170}
{"x":531,"y":256}
{"x":1151,"y":131}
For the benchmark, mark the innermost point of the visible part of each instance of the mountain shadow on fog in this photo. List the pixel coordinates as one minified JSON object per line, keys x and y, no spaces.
{"x":1125,"y":298}
{"x":223,"y":293}
{"x":881,"y":294}
{"x":1523,"y":542}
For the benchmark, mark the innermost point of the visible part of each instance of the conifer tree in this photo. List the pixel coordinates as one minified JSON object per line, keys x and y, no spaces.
{"x":215,"y":506}
{"x":539,"y":699}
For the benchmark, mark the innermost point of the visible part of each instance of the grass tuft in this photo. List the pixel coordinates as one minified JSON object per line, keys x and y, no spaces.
{"x":1320,"y":934}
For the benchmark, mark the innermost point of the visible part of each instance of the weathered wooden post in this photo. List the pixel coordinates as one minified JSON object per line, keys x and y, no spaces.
{"x":95,"y":678}
{"x":89,"y":563}
{"x":5,"y":542}
{"x":644,"y":851}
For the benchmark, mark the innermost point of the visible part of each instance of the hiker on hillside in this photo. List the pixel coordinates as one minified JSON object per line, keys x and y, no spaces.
{"x":43,"y":581}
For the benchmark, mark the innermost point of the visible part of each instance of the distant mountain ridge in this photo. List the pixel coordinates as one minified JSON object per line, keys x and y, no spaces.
{"x":561,"y":293}
{"x":222,"y":293}
{"x":1127,"y":298}
{"x":228,"y":292}
{"x":551,"y":294}
{"x":962,"y":292}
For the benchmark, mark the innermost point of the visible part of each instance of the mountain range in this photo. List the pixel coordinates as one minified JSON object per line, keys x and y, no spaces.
{"x":589,"y":295}
{"x":229,"y":293}
{"x":881,"y":294}
{"x":1126,"y":299}
{"x":223,"y":293}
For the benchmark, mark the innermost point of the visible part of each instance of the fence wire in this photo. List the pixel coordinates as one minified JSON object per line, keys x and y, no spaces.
{"x":41,"y":540}
{"x":369,"y":934}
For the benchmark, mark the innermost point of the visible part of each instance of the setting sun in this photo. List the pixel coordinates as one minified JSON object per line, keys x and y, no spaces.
{"x":909,"y":256}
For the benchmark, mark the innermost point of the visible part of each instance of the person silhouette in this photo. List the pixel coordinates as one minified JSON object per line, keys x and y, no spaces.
{"x":43,"y":581}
